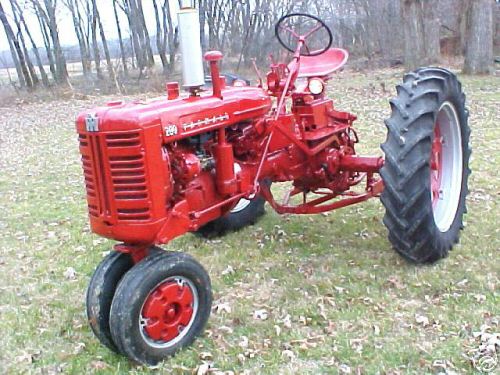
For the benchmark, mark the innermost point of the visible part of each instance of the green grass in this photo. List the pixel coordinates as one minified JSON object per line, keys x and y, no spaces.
{"x":336,"y":293}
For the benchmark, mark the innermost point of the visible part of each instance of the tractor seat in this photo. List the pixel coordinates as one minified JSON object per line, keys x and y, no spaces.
{"x":324,"y":64}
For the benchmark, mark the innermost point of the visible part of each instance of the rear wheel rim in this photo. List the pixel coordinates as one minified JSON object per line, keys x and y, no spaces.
{"x":241,"y":205}
{"x":446,"y":167}
{"x":168,"y":312}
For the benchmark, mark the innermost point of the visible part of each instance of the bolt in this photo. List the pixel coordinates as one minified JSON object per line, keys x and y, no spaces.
{"x":171,"y":312}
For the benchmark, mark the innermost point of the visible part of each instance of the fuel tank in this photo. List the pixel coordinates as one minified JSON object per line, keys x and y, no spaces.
{"x":126,"y":169}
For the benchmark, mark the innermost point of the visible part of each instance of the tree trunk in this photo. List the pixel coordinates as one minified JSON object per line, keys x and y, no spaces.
{"x":31,"y":68}
{"x":73,"y":8}
{"x":170,"y":35}
{"x":129,"y":8}
{"x":421,"y":34}
{"x":17,"y":64}
{"x":431,"y":34}
{"x":43,"y":74}
{"x":23,"y":73}
{"x":479,"y":45}
{"x":496,"y":33}
{"x":133,"y":58}
{"x":145,"y":34}
{"x":120,"y":39}
{"x":61,"y":69}
{"x":109,"y":63}
{"x":202,"y":11}
{"x":95,"y":43}
{"x":160,"y":45}
{"x":46,"y":42}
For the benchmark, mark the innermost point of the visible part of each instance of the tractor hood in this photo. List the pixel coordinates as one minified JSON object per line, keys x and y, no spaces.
{"x":180,"y":118}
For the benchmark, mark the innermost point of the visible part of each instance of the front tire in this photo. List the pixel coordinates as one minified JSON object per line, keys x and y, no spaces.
{"x":100,"y":294}
{"x":101,"y":290}
{"x":160,"y":306}
{"x":426,"y":166}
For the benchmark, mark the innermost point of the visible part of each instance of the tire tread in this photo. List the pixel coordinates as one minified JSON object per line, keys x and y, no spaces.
{"x":409,"y":217}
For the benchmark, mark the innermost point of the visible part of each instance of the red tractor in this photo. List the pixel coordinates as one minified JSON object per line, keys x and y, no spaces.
{"x":204,"y":162}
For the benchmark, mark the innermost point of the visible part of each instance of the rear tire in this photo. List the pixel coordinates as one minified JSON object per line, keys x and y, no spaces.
{"x":245,"y":213}
{"x":426,"y":166}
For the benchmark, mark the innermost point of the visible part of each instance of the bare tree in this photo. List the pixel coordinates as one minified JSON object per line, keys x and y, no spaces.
{"x":496,"y":21}
{"x":95,"y":43}
{"x":78,"y":26}
{"x":120,"y":38}
{"x":139,"y":33}
{"x":130,"y":9}
{"x":165,"y":35}
{"x":109,"y":63}
{"x":385,"y":30}
{"x":46,"y":10}
{"x":169,"y":35}
{"x":145,"y":33}
{"x":421,"y":33}
{"x":16,"y":51}
{"x":46,"y":42}
{"x":31,"y":68}
{"x":431,"y":34}
{"x":160,"y":37}
{"x":479,"y":45}
{"x":43,"y":74}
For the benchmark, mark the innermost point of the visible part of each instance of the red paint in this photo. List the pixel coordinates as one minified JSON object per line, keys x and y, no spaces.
{"x":436,"y":164}
{"x":323,"y":65}
{"x":167,"y":310}
{"x":172,"y":90}
{"x":150,"y":177}
{"x":213,"y":57}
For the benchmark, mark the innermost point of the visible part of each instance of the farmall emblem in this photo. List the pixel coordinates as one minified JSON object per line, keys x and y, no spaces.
{"x":206,"y":121}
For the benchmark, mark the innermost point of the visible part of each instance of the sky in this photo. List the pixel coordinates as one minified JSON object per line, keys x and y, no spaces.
{"x":65,"y":24}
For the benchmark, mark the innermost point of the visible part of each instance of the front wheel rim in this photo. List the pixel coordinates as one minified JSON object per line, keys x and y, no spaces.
{"x":446,"y":167}
{"x":168,"y":312}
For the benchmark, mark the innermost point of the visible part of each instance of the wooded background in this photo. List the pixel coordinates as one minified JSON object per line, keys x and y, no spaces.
{"x":376,"y":32}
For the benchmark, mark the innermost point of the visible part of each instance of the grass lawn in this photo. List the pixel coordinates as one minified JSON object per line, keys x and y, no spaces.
{"x":336,"y":296}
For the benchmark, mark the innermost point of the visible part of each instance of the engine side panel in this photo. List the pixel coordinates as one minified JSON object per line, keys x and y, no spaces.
{"x":126,"y":166}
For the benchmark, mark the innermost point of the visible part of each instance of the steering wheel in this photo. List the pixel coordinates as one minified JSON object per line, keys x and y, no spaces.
{"x":296,"y":26}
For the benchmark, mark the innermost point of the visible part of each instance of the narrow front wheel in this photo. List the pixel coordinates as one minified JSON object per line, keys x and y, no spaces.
{"x":160,"y":306}
{"x":102,"y":288}
{"x":101,"y":291}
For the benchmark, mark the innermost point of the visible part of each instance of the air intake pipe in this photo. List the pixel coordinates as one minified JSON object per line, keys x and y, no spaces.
{"x":193,"y":75}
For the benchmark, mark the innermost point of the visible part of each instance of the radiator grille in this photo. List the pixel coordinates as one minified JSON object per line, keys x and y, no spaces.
{"x":115,"y":176}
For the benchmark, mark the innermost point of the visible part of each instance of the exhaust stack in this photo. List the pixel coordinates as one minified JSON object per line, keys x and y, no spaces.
{"x":192,"y":60}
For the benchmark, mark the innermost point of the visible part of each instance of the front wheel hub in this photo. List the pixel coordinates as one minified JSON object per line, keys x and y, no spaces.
{"x":168,"y":312}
